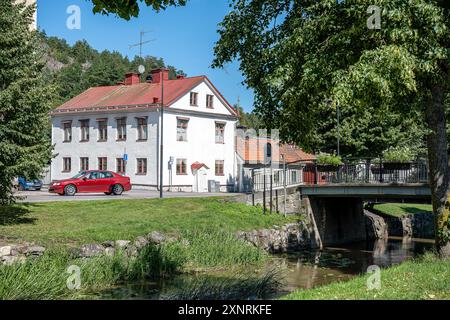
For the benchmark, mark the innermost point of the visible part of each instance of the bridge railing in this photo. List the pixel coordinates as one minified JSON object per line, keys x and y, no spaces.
{"x":359,"y":171}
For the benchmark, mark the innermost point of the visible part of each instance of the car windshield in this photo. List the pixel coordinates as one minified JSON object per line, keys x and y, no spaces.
{"x":79,"y":175}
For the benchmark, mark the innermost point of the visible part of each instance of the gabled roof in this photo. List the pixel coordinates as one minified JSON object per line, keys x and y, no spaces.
{"x":252,"y":151}
{"x":197,"y":165}
{"x":142,"y":95}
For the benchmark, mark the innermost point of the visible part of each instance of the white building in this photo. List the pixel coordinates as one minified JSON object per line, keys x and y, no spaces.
{"x":105,"y":125}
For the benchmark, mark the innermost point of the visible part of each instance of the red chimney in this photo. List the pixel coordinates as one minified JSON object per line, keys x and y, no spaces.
{"x":156,"y":75}
{"x":132,"y":78}
{"x":180,"y":76}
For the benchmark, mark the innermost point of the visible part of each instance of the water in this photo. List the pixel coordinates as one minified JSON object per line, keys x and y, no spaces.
{"x":299,"y":270}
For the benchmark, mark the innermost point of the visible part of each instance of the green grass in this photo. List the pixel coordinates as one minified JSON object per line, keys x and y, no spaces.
{"x":75,"y":223}
{"x":425,"y":278}
{"x":401,"y":209}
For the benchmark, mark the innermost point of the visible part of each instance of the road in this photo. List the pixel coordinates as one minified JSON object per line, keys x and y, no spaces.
{"x":44,"y":196}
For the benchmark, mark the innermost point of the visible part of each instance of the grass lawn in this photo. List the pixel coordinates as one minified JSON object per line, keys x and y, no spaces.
{"x":81,"y":222}
{"x":428,"y":278}
{"x":400,"y":209}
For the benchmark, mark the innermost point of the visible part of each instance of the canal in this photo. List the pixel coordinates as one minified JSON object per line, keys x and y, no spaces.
{"x":298,"y":270}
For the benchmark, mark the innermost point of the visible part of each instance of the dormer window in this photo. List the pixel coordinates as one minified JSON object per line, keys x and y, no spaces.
{"x":194,"y":99}
{"x":210,"y":101}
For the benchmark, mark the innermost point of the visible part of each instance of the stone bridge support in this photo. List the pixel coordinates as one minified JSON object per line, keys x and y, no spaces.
{"x":338,"y":220}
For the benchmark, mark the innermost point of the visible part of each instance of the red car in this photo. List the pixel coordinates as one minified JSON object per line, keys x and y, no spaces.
{"x":92,"y":182}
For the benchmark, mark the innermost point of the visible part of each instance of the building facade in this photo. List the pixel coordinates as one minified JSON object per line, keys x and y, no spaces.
{"x":117,"y":128}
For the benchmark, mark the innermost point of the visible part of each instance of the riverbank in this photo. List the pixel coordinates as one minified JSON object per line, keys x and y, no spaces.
{"x":203,"y":233}
{"x":423,"y":278}
{"x":55,"y":224}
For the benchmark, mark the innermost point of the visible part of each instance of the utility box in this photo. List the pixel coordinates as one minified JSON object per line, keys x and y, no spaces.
{"x":213,"y":186}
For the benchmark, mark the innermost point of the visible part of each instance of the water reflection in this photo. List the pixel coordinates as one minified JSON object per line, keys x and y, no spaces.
{"x":300,"y":270}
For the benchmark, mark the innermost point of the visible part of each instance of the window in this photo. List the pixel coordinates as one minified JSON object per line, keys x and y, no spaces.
{"x":219,"y":168}
{"x":67,"y":127}
{"x":181,"y":167}
{"x":194,"y":98}
{"x":293,"y":176}
{"x":67,"y":164}
{"x":84,"y":164}
{"x":105,"y":175}
{"x":210,"y":101}
{"x":120,"y":166}
{"x":182,"y":125}
{"x":142,"y":129}
{"x":102,"y":129}
{"x":84,"y":126}
{"x":103,"y":163}
{"x":220,"y":132}
{"x":122,"y":129}
{"x":141,"y":166}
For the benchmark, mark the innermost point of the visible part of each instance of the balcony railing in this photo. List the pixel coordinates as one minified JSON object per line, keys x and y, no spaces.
{"x":353,"y":171}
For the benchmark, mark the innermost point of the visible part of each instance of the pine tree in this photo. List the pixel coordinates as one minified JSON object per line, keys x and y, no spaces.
{"x":25,"y":100}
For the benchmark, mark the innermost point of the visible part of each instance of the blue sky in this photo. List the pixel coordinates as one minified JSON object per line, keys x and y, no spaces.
{"x":184,"y":37}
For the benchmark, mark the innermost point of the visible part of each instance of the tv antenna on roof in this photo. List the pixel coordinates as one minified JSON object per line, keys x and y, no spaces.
{"x":141,"y":42}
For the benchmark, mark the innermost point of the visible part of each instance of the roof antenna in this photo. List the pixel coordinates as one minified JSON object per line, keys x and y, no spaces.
{"x":141,"y":42}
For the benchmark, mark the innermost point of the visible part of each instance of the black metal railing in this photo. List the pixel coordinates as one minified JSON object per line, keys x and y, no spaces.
{"x":353,"y":171}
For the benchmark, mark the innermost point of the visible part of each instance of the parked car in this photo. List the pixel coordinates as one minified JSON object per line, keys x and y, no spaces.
{"x":92,"y":181}
{"x":24,"y":185}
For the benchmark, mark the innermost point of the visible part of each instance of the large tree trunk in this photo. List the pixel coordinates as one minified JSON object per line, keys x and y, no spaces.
{"x":438,"y":163}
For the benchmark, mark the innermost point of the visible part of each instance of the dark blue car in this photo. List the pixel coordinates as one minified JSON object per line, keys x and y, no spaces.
{"x":25,"y":185}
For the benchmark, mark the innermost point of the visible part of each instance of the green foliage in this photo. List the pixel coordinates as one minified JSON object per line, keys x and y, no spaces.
{"x":402,"y":209}
{"x":25,"y":100}
{"x":249,"y":120}
{"x":296,"y":55}
{"x":74,"y":69}
{"x":60,"y":223}
{"x":130,"y":8}
{"x":426,"y":278}
{"x":235,"y":287}
{"x":326,"y":159}
{"x":398,"y":155}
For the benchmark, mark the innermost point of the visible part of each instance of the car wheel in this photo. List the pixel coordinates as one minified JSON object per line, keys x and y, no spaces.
{"x":117,"y":189}
{"x":70,"y":190}
{"x":21,"y":188}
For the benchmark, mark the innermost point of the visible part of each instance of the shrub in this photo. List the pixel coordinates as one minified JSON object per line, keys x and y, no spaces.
{"x":398,"y":155}
{"x":325,"y":159}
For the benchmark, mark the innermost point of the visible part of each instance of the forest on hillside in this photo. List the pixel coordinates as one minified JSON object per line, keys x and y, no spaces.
{"x":74,"y":68}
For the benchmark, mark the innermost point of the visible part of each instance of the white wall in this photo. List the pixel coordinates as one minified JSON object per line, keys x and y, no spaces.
{"x":111,"y":149}
{"x":201,"y":145}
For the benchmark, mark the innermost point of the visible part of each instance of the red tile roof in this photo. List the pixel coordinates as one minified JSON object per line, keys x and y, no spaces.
{"x":252,"y":151}
{"x":142,"y":95}
{"x":197,"y":165}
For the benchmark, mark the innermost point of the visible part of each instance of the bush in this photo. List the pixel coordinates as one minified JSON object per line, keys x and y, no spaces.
{"x":324,"y":159}
{"x":398,"y":155}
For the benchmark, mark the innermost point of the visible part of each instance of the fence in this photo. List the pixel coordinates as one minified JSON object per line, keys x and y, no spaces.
{"x":360,"y":171}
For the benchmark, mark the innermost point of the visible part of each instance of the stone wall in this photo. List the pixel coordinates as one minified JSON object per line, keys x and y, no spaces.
{"x":376,"y":227}
{"x":419,"y":225}
{"x":12,"y":253}
{"x":293,"y":201}
{"x":290,"y":237}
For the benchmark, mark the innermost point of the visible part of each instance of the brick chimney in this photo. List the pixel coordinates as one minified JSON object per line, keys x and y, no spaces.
{"x":132,"y":78}
{"x":156,"y":75}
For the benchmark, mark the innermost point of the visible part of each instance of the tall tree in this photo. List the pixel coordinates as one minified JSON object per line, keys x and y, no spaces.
{"x":297,"y":54}
{"x":25,"y":100}
{"x":130,"y":8}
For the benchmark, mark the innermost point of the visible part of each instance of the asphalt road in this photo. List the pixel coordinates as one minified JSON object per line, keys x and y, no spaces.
{"x":44,"y":196}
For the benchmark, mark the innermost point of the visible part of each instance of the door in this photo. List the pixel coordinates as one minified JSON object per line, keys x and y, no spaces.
{"x":202,"y":180}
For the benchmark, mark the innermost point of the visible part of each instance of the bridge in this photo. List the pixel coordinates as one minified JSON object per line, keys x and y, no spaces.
{"x":333,"y":197}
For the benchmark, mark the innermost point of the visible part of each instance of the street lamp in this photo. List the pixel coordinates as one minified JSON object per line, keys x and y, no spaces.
{"x":338,"y":115}
{"x":161,"y":164}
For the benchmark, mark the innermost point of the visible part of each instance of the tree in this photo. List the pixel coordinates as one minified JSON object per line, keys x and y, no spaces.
{"x":130,"y":8}
{"x":24,"y":100}
{"x":298,"y":54}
